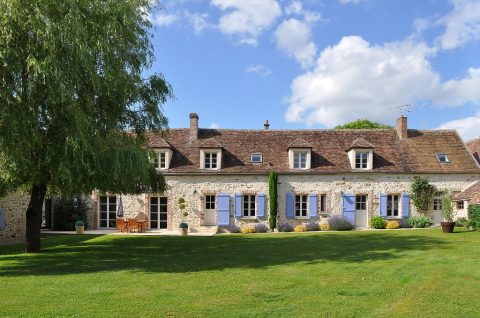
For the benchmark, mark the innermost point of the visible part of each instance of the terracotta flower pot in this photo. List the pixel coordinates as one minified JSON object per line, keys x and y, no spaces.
{"x":184,"y":231}
{"x":79,"y":229}
{"x":448,"y":227}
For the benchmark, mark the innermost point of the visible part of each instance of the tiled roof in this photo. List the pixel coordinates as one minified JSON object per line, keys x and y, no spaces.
{"x":391,"y":155}
{"x":211,"y":143}
{"x":157,"y":141}
{"x":360,"y":143}
{"x":300,"y":143}
{"x":474,"y":147}
{"x":471,"y":194}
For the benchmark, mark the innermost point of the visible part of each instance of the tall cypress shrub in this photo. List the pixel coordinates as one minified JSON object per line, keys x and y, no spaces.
{"x":273,"y":204}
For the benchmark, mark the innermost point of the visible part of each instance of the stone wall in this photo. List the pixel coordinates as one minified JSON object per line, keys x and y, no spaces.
{"x":14,"y":206}
{"x":194,"y":188}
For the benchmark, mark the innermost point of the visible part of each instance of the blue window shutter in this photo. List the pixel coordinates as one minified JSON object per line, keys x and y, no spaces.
{"x":349,"y":207}
{"x":260,"y":205}
{"x":313,"y":206}
{"x":238,"y":205}
{"x":383,"y":204}
{"x":223,"y":209}
{"x":289,"y":205}
{"x":405,"y":205}
{"x":2,"y":219}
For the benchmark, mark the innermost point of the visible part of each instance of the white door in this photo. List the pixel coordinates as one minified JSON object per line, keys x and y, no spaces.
{"x":437,"y":216}
{"x":107,"y":211}
{"x":158,"y":213}
{"x":210,"y":216}
{"x":361,"y":211}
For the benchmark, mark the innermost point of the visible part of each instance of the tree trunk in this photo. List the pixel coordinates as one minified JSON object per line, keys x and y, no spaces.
{"x":34,"y":218}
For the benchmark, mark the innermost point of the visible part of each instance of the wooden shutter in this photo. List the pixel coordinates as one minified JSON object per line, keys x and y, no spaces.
{"x":223,"y":209}
{"x":260,"y":205}
{"x":405,"y":205}
{"x":383,"y":204}
{"x":289,"y":205}
{"x":313,"y":206}
{"x":349,"y":207}
{"x":238,"y":205}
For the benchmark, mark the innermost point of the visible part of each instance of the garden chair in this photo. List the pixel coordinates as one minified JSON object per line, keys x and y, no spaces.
{"x":121,"y":225}
{"x":132,"y":225}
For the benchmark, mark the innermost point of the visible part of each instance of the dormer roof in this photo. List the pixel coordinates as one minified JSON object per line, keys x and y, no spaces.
{"x":211,"y":143}
{"x":360,"y":143}
{"x":300,"y":143}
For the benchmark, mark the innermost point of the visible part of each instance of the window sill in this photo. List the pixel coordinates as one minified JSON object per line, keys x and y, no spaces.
{"x":302,"y":217}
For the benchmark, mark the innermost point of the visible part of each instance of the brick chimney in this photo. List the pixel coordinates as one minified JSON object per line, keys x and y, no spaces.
{"x":402,"y":128}
{"x":193,"y":127}
{"x":266,"y":125}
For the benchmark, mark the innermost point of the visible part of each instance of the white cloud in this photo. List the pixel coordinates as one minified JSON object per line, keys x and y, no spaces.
{"x":214,"y":126}
{"x":295,"y":7}
{"x":468,"y":127}
{"x":162,"y":19}
{"x":349,"y":1}
{"x":247,"y":19}
{"x":355,"y":79}
{"x":260,"y":69}
{"x":294,"y":38}
{"x":198,"y":20}
{"x":461,"y":25}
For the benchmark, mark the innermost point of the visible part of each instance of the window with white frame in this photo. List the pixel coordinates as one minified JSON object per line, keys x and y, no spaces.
{"x":160,"y":160}
{"x":460,"y":205}
{"x":323,"y":202}
{"x":249,"y":205}
{"x":361,"y":202}
{"x":442,"y":158}
{"x":210,"y":202}
{"x":256,"y":158}
{"x":300,"y":205}
{"x":361,"y":160}
{"x":300,"y":160}
{"x":210,"y":161}
{"x":393,"y":205}
{"x":437,"y":201}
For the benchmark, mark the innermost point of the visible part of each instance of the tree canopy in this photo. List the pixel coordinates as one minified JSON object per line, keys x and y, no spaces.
{"x":75,"y":102}
{"x":363,"y":124}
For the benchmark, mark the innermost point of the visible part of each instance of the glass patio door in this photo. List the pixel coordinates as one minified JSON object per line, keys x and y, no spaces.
{"x":158,"y":213}
{"x":108,"y":211}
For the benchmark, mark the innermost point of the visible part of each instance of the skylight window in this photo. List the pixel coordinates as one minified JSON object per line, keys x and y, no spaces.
{"x":442,"y":158}
{"x":256,"y":158}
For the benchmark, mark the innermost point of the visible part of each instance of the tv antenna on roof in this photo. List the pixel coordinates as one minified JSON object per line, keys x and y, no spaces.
{"x":404,"y":109}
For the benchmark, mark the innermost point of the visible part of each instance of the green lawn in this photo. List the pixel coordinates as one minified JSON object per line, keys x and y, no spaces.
{"x":413,"y":273}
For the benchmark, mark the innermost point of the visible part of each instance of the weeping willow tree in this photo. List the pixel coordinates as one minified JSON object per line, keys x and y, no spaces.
{"x":75,"y":102}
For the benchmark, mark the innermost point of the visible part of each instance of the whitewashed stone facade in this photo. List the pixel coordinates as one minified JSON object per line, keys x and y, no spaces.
{"x":14,"y":206}
{"x":193,"y":189}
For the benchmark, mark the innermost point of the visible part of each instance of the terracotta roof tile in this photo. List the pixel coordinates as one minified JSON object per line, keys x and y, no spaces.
{"x":471,"y":194}
{"x":474,"y":147}
{"x":157,"y":141}
{"x":391,"y":155}
{"x":211,"y":143}
{"x":300,"y":143}
{"x":360,"y":143}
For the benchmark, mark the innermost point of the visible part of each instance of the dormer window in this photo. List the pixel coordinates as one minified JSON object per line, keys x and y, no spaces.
{"x":360,"y":154}
{"x":161,"y":160}
{"x":256,"y":158}
{"x":361,"y":160}
{"x":300,"y":160}
{"x":442,"y":158}
{"x":210,"y":160}
{"x":300,"y":154}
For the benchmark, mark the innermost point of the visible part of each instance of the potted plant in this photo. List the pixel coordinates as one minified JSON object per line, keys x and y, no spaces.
{"x":184,"y":225}
{"x":447,"y":211}
{"x":79,"y":227}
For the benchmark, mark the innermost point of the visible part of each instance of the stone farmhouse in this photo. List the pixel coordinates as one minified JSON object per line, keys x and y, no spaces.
{"x":223,"y":176}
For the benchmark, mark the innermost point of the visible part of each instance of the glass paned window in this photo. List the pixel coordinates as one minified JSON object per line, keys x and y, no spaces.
{"x":300,"y":160}
{"x":437,"y":201}
{"x":158,"y":212}
{"x":249,"y":205}
{"x":210,"y":202}
{"x":160,"y":160}
{"x":256,"y":158}
{"x":361,"y":202}
{"x":323,"y":202}
{"x":460,"y":205}
{"x":210,"y":160}
{"x":392,"y":205}
{"x":441,"y":157}
{"x":361,"y":160}
{"x":300,"y":205}
{"x":107,"y":211}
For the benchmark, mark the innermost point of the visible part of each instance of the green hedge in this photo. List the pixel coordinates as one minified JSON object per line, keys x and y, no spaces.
{"x":474,"y":216}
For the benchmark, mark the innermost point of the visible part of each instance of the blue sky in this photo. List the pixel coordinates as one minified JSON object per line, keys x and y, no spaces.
{"x":315,"y":64}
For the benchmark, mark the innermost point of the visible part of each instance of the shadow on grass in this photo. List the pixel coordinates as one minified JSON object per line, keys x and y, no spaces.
{"x":88,"y":254}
